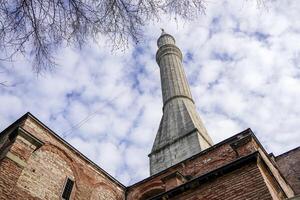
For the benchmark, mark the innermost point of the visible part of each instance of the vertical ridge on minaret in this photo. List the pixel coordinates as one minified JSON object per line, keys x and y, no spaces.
{"x":181,"y":132}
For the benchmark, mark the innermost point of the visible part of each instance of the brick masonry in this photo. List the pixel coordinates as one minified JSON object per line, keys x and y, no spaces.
{"x":289,"y":165}
{"x":46,"y":168}
{"x":244,"y":183}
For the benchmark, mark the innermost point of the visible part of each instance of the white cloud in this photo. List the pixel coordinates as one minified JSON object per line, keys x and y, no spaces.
{"x":110,"y":157}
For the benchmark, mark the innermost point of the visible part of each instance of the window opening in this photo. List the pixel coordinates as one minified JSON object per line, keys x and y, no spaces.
{"x":68,"y":189}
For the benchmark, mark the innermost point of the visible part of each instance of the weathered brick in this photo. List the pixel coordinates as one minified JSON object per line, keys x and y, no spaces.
{"x":289,"y":165}
{"x":47,"y":168}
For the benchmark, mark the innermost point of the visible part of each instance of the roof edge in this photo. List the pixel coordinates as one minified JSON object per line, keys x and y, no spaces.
{"x":16,"y":123}
{"x":244,"y":132}
{"x":68,"y":145}
{"x":287,"y":152}
{"x":230,"y":167}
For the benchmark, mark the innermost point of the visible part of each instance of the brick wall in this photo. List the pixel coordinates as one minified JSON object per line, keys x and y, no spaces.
{"x":31,"y":171}
{"x":9,"y":174}
{"x":12,"y":165}
{"x":45,"y":175}
{"x":244,"y":183}
{"x":289,"y":165}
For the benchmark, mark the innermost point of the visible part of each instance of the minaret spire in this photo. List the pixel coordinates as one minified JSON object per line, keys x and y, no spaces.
{"x":181,"y":133}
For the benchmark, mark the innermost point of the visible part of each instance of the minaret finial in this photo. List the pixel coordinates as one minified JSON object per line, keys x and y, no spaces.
{"x":165,"y":38}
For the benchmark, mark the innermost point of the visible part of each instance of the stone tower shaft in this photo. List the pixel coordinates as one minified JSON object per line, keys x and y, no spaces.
{"x":173,"y":80}
{"x":181,"y":132}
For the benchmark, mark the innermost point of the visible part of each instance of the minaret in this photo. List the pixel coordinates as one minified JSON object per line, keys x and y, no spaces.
{"x":181,"y":132}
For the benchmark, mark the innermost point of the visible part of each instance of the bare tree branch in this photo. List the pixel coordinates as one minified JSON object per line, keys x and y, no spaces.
{"x":37,"y":28}
{"x":3,"y":84}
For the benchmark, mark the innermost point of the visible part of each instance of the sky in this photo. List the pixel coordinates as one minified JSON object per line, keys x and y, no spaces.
{"x":242,"y":60}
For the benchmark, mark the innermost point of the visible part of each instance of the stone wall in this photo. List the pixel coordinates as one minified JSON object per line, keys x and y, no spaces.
{"x":39,"y":162}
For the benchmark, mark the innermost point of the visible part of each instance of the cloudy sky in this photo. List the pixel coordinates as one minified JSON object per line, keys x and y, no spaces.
{"x":242,"y":63}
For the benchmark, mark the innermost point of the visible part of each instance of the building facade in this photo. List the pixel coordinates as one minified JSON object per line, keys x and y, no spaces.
{"x":35,"y":163}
